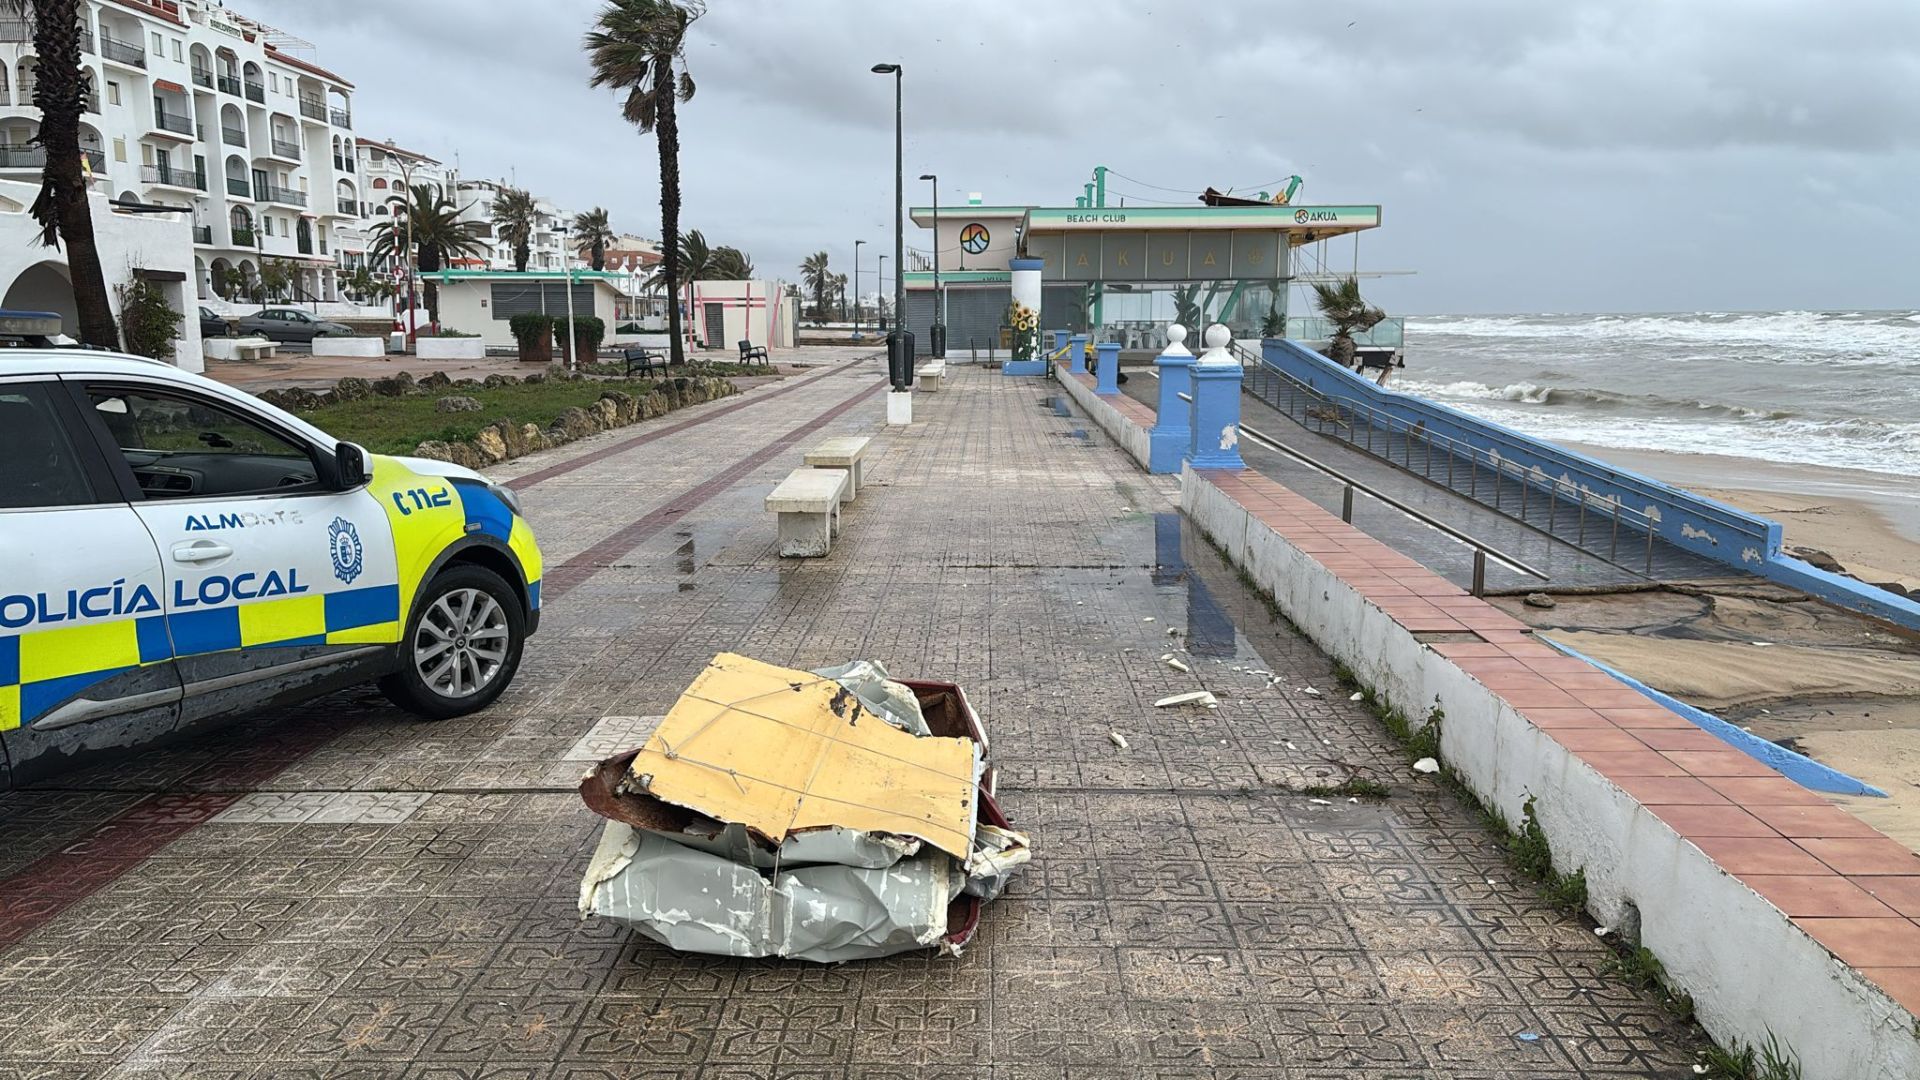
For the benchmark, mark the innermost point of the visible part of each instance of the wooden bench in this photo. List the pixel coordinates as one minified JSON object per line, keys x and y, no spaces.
{"x":646,"y":362}
{"x":750,"y":353}
{"x":848,"y":452}
{"x":930,"y":373}
{"x":807,"y":503}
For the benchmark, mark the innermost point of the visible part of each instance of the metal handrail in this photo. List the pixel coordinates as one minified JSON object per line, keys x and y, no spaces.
{"x":1481,"y":549}
{"x":1356,"y":422}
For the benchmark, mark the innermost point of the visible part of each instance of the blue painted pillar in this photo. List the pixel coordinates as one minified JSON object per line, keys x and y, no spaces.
{"x":1106,"y":371}
{"x":1059,"y":341}
{"x":1172,"y":436}
{"x":1077,"y":354}
{"x":1216,"y":404}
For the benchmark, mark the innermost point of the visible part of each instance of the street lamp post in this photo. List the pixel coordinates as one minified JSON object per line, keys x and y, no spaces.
{"x":856,"y":287}
{"x":880,"y":308}
{"x":566,"y":268}
{"x":938,"y":333}
{"x":899,"y":342}
{"x":406,"y":183}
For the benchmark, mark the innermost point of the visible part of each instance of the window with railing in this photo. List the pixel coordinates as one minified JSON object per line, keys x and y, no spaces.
{"x":256,"y":93}
{"x":228,"y":84}
{"x":233,"y":136}
{"x":242,"y":237}
{"x":340,"y":118}
{"x":172,"y":121}
{"x":285,"y":149}
{"x":349,"y":207}
{"x":86,"y":41}
{"x":274,"y":193}
{"x":240,"y":187}
{"x":313,"y":108}
{"x":203,"y":234}
{"x":121,"y":52}
{"x":203,"y":77}
{"x":15,"y":30}
{"x":22,"y":157}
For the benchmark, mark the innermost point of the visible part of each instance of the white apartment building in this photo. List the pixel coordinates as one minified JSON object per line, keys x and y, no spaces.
{"x":383,"y":171}
{"x":198,"y":107}
{"x":475,"y":197}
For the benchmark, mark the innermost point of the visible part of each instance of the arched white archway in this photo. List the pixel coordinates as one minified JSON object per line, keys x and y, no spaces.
{"x":44,"y":286}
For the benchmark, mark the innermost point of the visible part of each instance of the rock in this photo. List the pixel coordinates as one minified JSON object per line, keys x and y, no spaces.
{"x":605,"y":413}
{"x":435,"y":381}
{"x":1541,"y":600}
{"x":293,"y":399}
{"x":352,"y":389}
{"x":397,"y":385}
{"x":490,"y":444}
{"x":496,"y":380}
{"x":625,"y":406}
{"x":457,"y":403}
{"x":532,"y":379}
{"x":1426,"y":765}
{"x":1893,"y":587}
{"x":518,"y":445}
{"x":464,"y":384}
{"x":575,"y":422}
{"x":1818,"y":559}
{"x":434,"y":449}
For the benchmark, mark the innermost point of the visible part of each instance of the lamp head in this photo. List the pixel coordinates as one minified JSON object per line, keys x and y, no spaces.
{"x":886,"y":69}
{"x":929,"y":176}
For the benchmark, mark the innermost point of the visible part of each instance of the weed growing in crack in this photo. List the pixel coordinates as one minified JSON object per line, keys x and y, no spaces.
{"x":1770,"y":1062}
{"x":1639,"y":966}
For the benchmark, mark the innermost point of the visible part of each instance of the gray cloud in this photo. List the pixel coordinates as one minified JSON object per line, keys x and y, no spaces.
{"x":1577,"y":155}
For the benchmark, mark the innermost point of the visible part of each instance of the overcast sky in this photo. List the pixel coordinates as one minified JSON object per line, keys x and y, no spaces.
{"x":1572,"y":155}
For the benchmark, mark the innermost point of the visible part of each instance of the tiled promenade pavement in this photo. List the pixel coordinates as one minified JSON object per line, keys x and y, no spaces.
{"x":345,"y":892}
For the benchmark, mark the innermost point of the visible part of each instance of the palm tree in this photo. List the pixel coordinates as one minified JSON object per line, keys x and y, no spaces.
{"x":513,"y":214}
{"x":438,"y":235}
{"x":62,"y":208}
{"x":592,"y":236}
{"x":696,"y":262}
{"x":730,"y":264}
{"x":816,"y":274}
{"x":636,"y":46}
{"x":1343,"y":306}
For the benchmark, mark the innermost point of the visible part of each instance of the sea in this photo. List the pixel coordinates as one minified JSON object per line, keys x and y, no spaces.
{"x":1832,"y":388}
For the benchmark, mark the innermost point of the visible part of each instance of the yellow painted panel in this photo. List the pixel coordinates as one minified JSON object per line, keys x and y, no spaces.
{"x":781,"y":751}
{"x":384,"y":633}
{"x":70,"y":650}
{"x":525,"y":549}
{"x":9,"y":708}
{"x":266,"y":621}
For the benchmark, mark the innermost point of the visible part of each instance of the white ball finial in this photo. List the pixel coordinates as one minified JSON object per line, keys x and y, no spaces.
{"x":1218,"y":336}
{"x":1176,"y":333}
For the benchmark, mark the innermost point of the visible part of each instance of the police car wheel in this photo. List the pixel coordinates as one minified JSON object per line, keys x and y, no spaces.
{"x":462,"y":645}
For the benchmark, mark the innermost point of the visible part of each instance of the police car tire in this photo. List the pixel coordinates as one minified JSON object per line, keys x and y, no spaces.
{"x":408,"y":690}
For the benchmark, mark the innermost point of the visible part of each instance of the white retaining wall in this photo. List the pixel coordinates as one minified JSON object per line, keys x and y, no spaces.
{"x":1750,"y":970}
{"x":1132,"y":438}
{"x":349,"y":346}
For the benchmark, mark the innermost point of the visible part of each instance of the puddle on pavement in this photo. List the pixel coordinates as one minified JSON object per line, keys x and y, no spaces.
{"x":1211,"y":632}
{"x":1058,"y":404}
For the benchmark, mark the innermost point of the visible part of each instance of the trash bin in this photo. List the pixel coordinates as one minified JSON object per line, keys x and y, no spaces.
{"x":937,"y":341}
{"x":900,"y":357}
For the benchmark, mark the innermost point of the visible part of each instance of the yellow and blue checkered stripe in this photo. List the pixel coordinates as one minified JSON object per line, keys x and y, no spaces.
{"x":42,"y":669}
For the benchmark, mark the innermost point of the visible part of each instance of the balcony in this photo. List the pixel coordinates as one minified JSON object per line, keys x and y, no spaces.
{"x":340,"y":118}
{"x":233,"y":136}
{"x":228,"y":84}
{"x":203,"y":234}
{"x":257,"y":93}
{"x":35,"y":157}
{"x":15,"y":30}
{"x":170,"y":176}
{"x":173,"y":124}
{"x":283,"y":148}
{"x":305,"y":244}
{"x":274,"y":193}
{"x":240,"y":187}
{"x":203,"y":77}
{"x":86,"y":41}
{"x":343,"y":163}
{"x":92,"y":103}
{"x":349,"y":207}
{"x":122,"y":53}
{"x":242,"y":237}
{"x":313,"y":109}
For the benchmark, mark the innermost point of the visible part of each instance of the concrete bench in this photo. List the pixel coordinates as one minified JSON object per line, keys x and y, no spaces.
{"x":930,"y":374}
{"x":847,"y":452}
{"x":808,"y":505}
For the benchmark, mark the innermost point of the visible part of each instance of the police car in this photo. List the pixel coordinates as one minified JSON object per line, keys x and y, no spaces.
{"x":174,"y":552}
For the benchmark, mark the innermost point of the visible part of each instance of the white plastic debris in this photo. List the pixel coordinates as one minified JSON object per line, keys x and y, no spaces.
{"x":1356,"y":697}
{"x":1117,"y":739}
{"x":1319,"y":802}
{"x":1426,"y":765}
{"x":1177,"y":665}
{"x":1290,"y":745}
{"x":1602,"y":931}
{"x":1198,"y":697}
{"x":1309,"y":691}
{"x":1147,"y":619}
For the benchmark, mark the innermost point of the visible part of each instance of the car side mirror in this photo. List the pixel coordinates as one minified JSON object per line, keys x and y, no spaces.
{"x":352,"y":466}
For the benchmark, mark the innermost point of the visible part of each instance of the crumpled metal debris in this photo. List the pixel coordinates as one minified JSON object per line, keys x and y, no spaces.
{"x":767,"y":816}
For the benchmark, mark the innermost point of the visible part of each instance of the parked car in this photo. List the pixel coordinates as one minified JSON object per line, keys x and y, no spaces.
{"x":212,"y":325}
{"x":176,"y":553}
{"x":288,"y":324}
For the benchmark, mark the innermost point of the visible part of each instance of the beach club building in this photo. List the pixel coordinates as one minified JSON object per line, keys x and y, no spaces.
{"x":1120,"y":273}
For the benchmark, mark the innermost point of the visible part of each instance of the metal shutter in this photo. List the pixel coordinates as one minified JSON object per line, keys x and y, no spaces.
{"x":510,"y":298}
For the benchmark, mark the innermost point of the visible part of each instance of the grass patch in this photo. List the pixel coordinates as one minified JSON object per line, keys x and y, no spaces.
{"x":396,"y":425}
{"x":1637,"y":965}
{"x":1768,"y":1062}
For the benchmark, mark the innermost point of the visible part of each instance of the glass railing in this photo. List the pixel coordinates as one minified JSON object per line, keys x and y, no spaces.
{"x":237,"y":186}
{"x":174,"y":122}
{"x":228,"y":84}
{"x":257,"y":93}
{"x":233,"y":136}
{"x":340,"y":118}
{"x":124,"y":53}
{"x":285,"y":149}
{"x":313,"y":108}
{"x":1389,"y":334}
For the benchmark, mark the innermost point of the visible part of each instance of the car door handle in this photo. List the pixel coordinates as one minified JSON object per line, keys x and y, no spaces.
{"x":200,"y":551}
